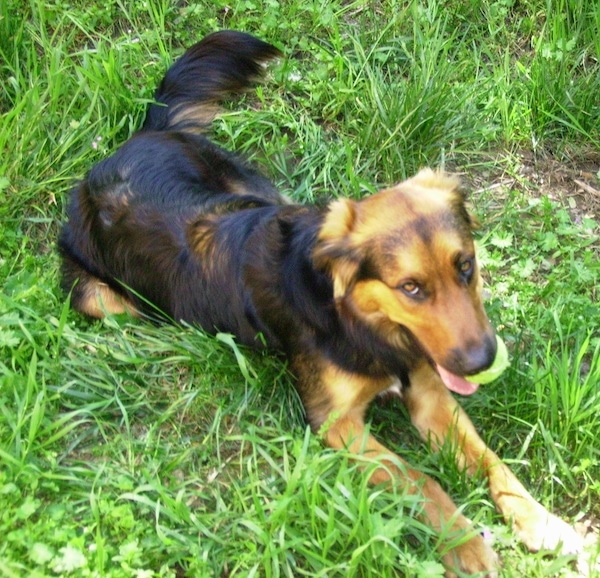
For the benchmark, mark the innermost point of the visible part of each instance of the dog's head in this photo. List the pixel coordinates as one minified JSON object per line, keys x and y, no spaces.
{"x":403,"y":261}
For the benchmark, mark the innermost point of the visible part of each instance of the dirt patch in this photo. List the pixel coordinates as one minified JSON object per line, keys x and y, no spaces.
{"x":576,"y":185}
{"x":572,"y":184}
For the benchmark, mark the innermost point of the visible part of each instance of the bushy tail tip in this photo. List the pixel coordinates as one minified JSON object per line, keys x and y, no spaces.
{"x":222,"y":63}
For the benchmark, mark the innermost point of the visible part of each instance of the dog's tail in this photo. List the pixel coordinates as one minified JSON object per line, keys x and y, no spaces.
{"x":222,"y":63}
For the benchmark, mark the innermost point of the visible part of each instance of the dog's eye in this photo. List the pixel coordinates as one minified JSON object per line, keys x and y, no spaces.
{"x":411,"y":289}
{"x":466,"y":268}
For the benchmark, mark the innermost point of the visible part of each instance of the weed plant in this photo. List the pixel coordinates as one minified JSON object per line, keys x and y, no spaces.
{"x":130,"y":449}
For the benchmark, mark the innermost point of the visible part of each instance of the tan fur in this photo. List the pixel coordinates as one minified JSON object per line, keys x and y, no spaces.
{"x":442,"y":324}
{"x":196,"y":119}
{"x":440,"y":419}
{"x":454,"y":316}
{"x":348,"y":432}
{"x":200,"y":237}
{"x":100,"y":300}
{"x":339,"y":221}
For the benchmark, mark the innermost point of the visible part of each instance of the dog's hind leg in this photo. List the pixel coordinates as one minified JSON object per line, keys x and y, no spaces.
{"x":440,"y":419}
{"x":92,"y":296}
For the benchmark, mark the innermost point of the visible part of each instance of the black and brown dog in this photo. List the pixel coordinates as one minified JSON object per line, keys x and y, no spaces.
{"x":361,"y":296}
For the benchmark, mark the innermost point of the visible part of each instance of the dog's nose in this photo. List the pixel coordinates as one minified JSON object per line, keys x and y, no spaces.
{"x":474,"y":357}
{"x":481,"y":357}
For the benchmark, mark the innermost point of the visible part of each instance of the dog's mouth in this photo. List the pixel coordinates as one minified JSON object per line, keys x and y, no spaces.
{"x":456,"y":383}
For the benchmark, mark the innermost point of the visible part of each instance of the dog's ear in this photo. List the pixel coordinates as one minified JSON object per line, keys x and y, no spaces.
{"x":439,"y":179}
{"x":334,"y":251}
{"x":463,"y":208}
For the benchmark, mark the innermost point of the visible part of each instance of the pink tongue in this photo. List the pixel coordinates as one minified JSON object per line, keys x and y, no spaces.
{"x":455,"y":383}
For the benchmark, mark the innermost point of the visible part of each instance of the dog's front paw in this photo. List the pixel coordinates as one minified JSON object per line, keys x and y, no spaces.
{"x":539,"y":530}
{"x":474,"y":557}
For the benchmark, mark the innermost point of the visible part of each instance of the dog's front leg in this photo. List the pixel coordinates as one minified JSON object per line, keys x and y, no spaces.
{"x":346,"y":396}
{"x":472,"y":556}
{"x":439,"y":418}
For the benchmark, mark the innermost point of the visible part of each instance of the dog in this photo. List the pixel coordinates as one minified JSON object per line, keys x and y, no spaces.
{"x":361,"y":296}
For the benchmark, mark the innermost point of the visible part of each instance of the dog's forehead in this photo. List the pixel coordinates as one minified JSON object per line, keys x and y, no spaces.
{"x":416,"y":231}
{"x":422,"y":253}
{"x":404,"y":214}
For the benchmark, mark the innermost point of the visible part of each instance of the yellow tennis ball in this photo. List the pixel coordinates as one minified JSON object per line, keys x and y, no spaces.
{"x":501,"y":362}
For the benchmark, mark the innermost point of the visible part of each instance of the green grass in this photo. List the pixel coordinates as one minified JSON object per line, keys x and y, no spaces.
{"x":129,"y":449}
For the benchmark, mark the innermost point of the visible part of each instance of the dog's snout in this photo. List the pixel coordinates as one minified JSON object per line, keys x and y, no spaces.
{"x":473,"y":358}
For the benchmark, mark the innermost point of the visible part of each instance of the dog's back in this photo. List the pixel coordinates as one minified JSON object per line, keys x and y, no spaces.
{"x":139,"y":201}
